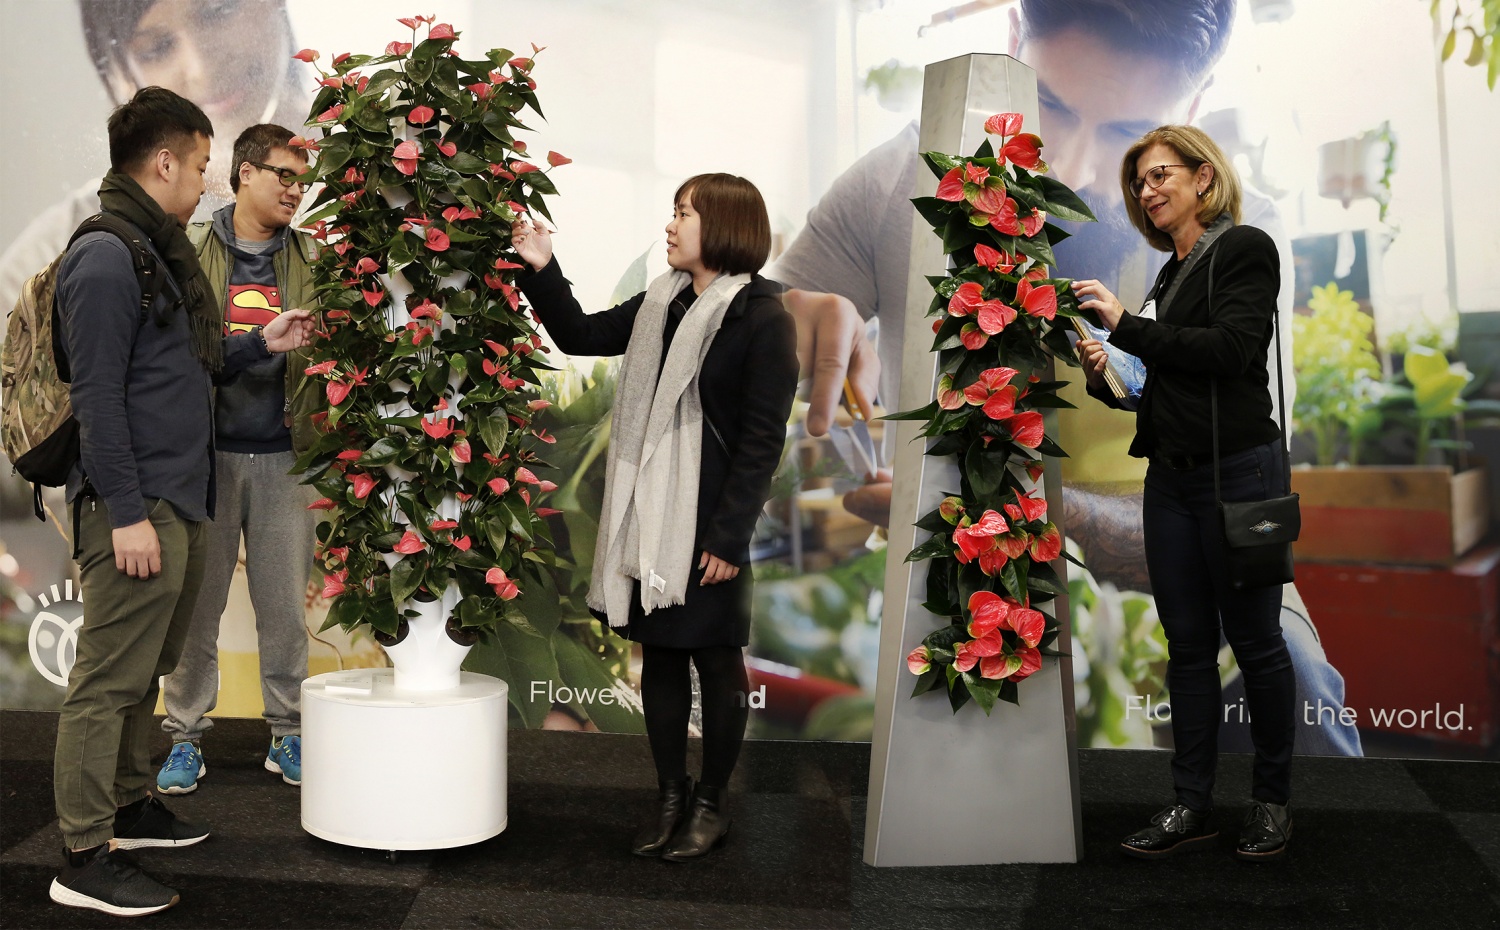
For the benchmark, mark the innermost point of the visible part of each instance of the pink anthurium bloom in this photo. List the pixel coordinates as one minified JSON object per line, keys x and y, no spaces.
{"x":975,"y":174}
{"x":1031,"y":225}
{"x":332,"y":113}
{"x":503,"y":265}
{"x":426,"y":310}
{"x":951,"y":187}
{"x":322,"y":368}
{"x":437,"y":240}
{"x":1031,"y":663}
{"x":333,"y":585}
{"x":966,"y":299}
{"x":443,"y":525}
{"x":990,"y":381}
{"x":974,"y":538}
{"x":410,"y":544}
{"x":994,"y":259}
{"x":538,"y":404}
{"x":340,"y":58}
{"x":918,"y":661}
{"x":350,"y":455}
{"x":952,"y":510}
{"x":498,"y":485}
{"x":994,"y":316}
{"x":949,"y":398}
{"x":1035,"y":508}
{"x":497,"y":579}
{"x":1047,"y":545}
{"x":522,"y":167}
{"x":1012,"y":544}
{"x":337,"y":391}
{"x":1025,"y":151}
{"x":322,"y":503}
{"x":463,"y":543}
{"x":398,"y":48}
{"x":420,"y":115}
{"x":441,"y":31}
{"x":963,"y":659}
{"x":1029,"y":624}
{"x":307,"y":55}
{"x":1000,"y":666}
{"x":366,"y":265}
{"x":405,"y":157}
{"x":546,"y":486}
{"x":448,"y":149}
{"x":973,"y":337}
{"x":525,"y":476}
{"x":298,"y":142}
{"x":989,"y":199}
{"x":1003,"y":124}
{"x":461,"y":452}
{"x":1026,"y":428}
{"x":362,"y":485}
{"x":1005,"y":219}
{"x":408,"y":22}
{"x":557,"y":160}
{"x":520,"y":64}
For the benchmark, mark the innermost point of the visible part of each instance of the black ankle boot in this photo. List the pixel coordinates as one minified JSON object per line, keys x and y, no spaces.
{"x":673,"y":798}
{"x":706,"y":826}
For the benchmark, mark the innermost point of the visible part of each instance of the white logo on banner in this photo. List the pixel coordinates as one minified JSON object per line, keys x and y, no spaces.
{"x":54,"y":640}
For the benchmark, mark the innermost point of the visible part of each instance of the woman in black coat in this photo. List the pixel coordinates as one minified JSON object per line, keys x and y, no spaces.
{"x":1183,"y":195}
{"x":731,"y":410}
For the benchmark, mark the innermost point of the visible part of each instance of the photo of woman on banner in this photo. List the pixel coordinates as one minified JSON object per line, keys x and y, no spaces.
{"x":1107,"y":72}
{"x":699,"y":422}
{"x":1203,"y":335}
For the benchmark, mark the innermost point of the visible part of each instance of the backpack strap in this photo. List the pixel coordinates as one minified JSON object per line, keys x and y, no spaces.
{"x":149,"y":273}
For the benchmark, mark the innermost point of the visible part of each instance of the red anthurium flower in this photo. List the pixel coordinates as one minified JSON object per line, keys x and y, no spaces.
{"x":374,"y":295}
{"x":322,"y":503}
{"x":1015,"y":514}
{"x":298,"y":142}
{"x":1000,"y":666}
{"x":1003,"y":124}
{"x":994,"y":259}
{"x":519,"y":146}
{"x":461,"y":452}
{"x":362,"y":485}
{"x":441,"y":31}
{"x":1001,"y":404}
{"x":408,"y":22}
{"x":546,"y":486}
{"x":1038,"y":302}
{"x":539,"y":404}
{"x":498,"y":485}
{"x":520,"y":64}
{"x":989,"y":611}
{"x":499,"y":171}
{"x":438,"y":429}
{"x":949,"y":398}
{"x":1047,"y":545}
{"x":556,"y":160}
{"x":420,"y":115}
{"x":1013,"y":544}
{"x":447,"y":148}
{"x":405,"y":157}
{"x":436,"y":525}
{"x":496,"y":578}
{"x":410,"y":544}
{"x":340,"y":58}
{"x":337,"y":391}
{"x":322,"y":368}
{"x":509,"y":383}
{"x":952,"y":509}
{"x":354,"y":176}
{"x":990,"y":381}
{"x":951,"y":187}
{"x":975,"y":174}
{"x":437,"y":240}
{"x":1026,"y":428}
{"x":491,"y":368}
{"x":334,"y":82}
{"x":499,"y":350}
{"x":332,"y":113}
{"x":351,"y":196}
{"x":973,"y":337}
{"x":398,"y":48}
{"x":1025,"y":151}
{"x":503,"y":265}
{"x":995,"y":315}
{"x":333,"y":585}
{"x":1035,"y":468}
{"x":989,"y":199}
{"x":351,"y":455}
{"x":522,"y":167}
{"x":426,"y":310}
{"x":463,"y":542}
{"x":547,"y":511}
{"x":512,"y":296}
{"x":963,"y":659}
{"x":525,"y":476}
{"x":307,"y":55}
{"x":1031,"y":225}
{"x":969,"y":296}
{"x":1031,"y":662}
{"x":1035,"y":508}
{"x":482,"y":91}
{"x":452,"y":214}
{"x":918,"y":661}
{"x":1005,"y":219}
{"x":366,"y":265}
{"x":977,"y":537}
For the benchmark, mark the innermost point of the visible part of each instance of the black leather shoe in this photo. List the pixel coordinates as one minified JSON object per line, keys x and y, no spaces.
{"x":707,"y":825}
{"x":673,"y":797}
{"x":1267,"y":830}
{"x":1177,"y":829}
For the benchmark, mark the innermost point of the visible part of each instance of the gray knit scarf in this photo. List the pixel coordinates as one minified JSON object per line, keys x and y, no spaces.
{"x":650,"y":514}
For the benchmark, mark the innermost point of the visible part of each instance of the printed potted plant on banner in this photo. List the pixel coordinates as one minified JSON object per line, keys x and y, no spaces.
{"x":992,"y":541}
{"x":426,"y":458}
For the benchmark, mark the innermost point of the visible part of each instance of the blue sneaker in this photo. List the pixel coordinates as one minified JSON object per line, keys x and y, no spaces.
{"x":180,"y":773}
{"x":285,"y":758}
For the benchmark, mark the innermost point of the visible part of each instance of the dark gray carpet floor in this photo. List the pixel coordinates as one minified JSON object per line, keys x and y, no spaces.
{"x":1379,"y":844}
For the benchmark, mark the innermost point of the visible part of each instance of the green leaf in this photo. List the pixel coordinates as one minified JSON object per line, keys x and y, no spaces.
{"x":1450,"y":43}
{"x":519,"y":659}
{"x":493,"y":430}
{"x":381,"y":82}
{"x":933,"y":210}
{"x":464,"y":163}
{"x":407,"y":576}
{"x":984,"y":690}
{"x":538,"y":181}
{"x":1060,"y":201}
{"x":384,"y":452}
{"x":611,"y":704}
{"x":936,"y":546}
{"x":1037,"y":248}
{"x":940,"y":164}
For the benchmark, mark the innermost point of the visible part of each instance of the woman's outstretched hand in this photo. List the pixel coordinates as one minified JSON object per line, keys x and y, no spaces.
{"x":716,"y":569}
{"x":1095,"y":296}
{"x":532,"y":243}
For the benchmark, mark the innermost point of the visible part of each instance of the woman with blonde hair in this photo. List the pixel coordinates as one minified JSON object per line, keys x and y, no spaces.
{"x":699,"y":421}
{"x":1203,"y":334}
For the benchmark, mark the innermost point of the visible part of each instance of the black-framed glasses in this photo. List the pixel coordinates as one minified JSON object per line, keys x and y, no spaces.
{"x":288,"y":176}
{"x":1153,"y":178}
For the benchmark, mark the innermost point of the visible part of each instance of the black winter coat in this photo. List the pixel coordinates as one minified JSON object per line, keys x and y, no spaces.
{"x":1194,"y":342}
{"x":746,"y":385}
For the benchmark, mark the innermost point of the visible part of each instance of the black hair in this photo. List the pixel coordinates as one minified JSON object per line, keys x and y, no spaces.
{"x":255,"y":144}
{"x":154,"y":119}
{"x":1189,"y":34}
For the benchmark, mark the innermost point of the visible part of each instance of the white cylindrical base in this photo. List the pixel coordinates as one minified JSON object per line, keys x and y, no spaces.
{"x":388,"y":769}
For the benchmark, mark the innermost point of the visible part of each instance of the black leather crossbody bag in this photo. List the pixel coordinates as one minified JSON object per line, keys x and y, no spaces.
{"x":1258,"y":535}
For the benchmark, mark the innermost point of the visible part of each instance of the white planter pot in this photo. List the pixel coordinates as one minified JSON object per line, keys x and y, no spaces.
{"x":427,"y":659}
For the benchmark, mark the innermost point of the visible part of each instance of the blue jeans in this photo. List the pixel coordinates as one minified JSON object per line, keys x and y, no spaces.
{"x":1185,"y":556}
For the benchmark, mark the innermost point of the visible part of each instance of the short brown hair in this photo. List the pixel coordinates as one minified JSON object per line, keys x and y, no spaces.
{"x":735,"y":229}
{"x":1195,"y":148}
{"x":255,"y":144}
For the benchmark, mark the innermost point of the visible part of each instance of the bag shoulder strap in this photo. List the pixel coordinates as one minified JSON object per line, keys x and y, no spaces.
{"x":148,"y":270}
{"x":1213,"y":393}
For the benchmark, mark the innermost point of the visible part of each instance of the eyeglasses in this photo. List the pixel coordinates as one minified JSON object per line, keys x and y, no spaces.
{"x":288,"y":177}
{"x":1153,"y":178}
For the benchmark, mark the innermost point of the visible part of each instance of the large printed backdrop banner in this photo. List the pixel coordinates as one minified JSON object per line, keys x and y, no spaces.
{"x":1363,"y":135}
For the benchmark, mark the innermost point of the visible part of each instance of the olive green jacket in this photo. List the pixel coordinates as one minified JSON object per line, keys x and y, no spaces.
{"x":294,"y":280}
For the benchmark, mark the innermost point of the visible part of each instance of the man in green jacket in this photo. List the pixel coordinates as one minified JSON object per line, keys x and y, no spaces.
{"x":258,"y":265}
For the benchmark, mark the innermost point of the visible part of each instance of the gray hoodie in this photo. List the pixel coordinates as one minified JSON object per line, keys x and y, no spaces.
{"x":250,"y":407}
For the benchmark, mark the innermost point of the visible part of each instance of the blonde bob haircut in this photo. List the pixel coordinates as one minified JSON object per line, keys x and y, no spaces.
{"x":1194,"y":148}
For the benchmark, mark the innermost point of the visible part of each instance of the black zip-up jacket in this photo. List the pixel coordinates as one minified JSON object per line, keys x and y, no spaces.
{"x":1193,"y":343}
